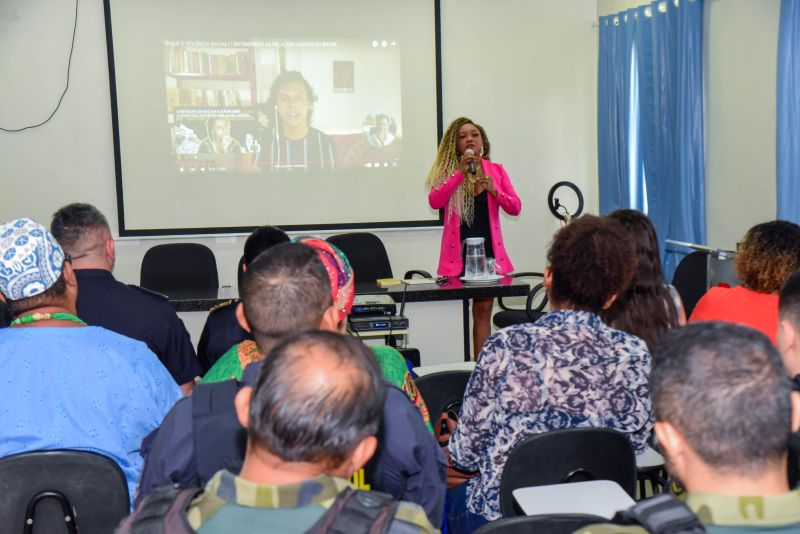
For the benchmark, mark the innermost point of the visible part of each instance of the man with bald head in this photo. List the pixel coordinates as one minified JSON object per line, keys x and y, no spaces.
{"x":83,"y":233}
{"x":291,"y":288}
{"x":724,"y":411}
{"x":311,"y":419}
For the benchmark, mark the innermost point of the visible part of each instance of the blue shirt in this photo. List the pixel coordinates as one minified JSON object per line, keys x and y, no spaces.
{"x":566,"y":370}
{"x":81,"y":388}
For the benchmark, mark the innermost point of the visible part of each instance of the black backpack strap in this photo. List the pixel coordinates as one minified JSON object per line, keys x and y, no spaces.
{"x":219,"y":440}
{"x":662,"y":514}
{"x":161,"y":512}
{"x":357,"y":511}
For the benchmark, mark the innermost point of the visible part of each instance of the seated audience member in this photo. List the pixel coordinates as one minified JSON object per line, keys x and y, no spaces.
{"x":222,"y":330}
{"x":566,"y":370}
{"x":67,"y":385}
{"x":287,"y":290}
{"x":311,"y":417}
{"x":764,"y":259}
{"x":649,"y":307}
{"x":724,"y":411}
{"x":789,"y":347}
{"x":789,"y":327}
{"x":135,"y":312}
{"x":232,"y":363}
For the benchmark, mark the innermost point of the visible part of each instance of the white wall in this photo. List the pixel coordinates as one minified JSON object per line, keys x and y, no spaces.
{"x":525,"y":69}
{"x":741,"y":42}
{"x":607,"y":7}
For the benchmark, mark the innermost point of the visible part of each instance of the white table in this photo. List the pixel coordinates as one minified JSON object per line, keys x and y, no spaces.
{"x":455,"y":366}
{"x":649,"y":458}
{"x":596,"y":497}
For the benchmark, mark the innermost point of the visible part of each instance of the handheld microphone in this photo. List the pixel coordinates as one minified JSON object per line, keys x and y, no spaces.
{"x":472,"y":168}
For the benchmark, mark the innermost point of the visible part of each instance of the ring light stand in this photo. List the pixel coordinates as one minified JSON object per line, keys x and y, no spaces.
{"x":560,"y":211}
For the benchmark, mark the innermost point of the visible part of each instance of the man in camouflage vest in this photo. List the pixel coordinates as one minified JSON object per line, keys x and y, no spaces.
{"x":724,"y":411}
{"x":311,"y":420}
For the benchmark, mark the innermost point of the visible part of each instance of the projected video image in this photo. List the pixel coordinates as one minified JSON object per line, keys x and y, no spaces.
{"x":283,"y":106}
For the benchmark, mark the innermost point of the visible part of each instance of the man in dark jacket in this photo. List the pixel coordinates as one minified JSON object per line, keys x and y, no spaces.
{"x":135,"y":312}
{"x":201,"y":434}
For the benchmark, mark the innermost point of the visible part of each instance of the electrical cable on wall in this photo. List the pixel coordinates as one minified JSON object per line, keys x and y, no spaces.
{"x":69,"y":65}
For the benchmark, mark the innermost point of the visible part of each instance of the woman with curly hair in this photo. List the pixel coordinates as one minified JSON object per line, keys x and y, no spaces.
{"x":569,"y":369}
{"x":764,"y":259}
{"x":470,"y":189}
{"x":649,"y":307}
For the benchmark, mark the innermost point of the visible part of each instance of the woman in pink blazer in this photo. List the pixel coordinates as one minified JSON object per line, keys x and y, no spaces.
{"x":471,"y":201}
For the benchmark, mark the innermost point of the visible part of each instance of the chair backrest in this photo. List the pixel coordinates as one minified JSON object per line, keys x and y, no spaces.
{"x":440,"y":390}
{"x":541,"y":524}
{"x":367,"y":255}
{"x":179,"y":267}
{"x":4,"y":316}
{"x":93,"y":485}
{"x":570,"y":455}
{"x":691,"y":279}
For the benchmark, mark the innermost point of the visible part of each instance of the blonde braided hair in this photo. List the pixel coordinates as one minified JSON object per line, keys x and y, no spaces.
{"x":462,"y":201}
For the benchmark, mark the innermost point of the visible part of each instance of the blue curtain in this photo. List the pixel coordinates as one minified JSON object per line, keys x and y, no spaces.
{"x":613,"y":95}
{"x":788,"y":134}
{"x":666,"y":37}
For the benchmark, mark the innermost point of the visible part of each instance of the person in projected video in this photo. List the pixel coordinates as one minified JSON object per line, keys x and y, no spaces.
{"x":296,"y":145}
{"x":219,"y":140}
{"x":382,"y":134}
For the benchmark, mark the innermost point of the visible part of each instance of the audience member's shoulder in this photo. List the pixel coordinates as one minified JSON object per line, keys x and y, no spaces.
{"x":109,"y":337}
{"x":143,"y":292}
{"x":228,"y":306}
{"x":411,"y":518}
{"x":397,"y":403}
{"x":122,"y":348}
{"x":519,"y":335}
{"x":634,"y":344}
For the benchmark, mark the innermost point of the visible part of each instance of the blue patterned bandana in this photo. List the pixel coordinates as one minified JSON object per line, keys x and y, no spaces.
{"x":31,"y":259}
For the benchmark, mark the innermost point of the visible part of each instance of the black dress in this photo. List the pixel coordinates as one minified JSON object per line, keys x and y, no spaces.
{"x":478,"y":228}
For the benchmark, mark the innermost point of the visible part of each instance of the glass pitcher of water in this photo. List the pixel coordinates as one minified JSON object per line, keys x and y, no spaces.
{"x":475,"y":258}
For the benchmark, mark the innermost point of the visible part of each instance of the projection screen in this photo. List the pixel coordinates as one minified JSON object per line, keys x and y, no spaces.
{"x":308,"y":114}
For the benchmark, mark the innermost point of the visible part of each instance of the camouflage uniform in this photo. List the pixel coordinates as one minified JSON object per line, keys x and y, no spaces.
{"x":776,"y":514}
{"x":232,"y":504}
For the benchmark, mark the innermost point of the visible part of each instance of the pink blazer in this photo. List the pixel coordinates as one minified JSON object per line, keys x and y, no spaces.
{"x":450,"y":263}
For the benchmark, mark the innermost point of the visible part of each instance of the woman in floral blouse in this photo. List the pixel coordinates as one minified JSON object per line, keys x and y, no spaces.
{"x":569,"y":369}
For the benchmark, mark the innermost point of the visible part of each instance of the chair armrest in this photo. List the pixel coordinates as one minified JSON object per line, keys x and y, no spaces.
{"x":526,"y":273}
{"x":521,"y":274}
{"x":411,"y":273}
{"x":532,"y":295}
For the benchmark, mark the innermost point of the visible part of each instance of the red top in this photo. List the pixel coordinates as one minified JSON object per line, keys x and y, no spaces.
{"x":739,"y":305}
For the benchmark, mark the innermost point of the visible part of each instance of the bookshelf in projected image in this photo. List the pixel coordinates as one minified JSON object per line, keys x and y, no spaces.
{"x":209,"y":77}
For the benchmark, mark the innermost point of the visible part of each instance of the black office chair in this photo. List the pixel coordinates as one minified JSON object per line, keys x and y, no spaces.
{"x":571,"y":455}
{"x":179,"y":267}
{"x":5,"y":318}
{"x":534,"y":304}
{"x":61,"y":491}
{"x":541,"y":524}
{"x":691,"y":279}
{"x":368,"y":257}
{"x":442,"y":390}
